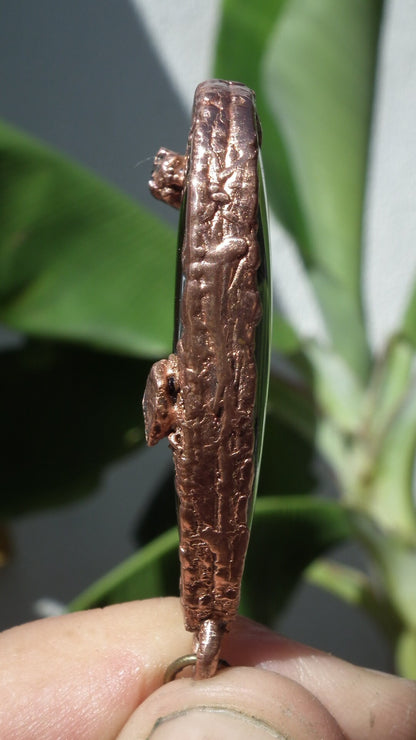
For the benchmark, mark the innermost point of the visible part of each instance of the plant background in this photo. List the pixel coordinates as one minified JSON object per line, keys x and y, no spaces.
{"x":88,"y":79}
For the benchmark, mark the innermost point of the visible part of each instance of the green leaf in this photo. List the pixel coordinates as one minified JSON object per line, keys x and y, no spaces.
{"x":319,"y":71}
{"x":389,"y":385}
{"x":78,"y":259}
{"x":66,"y":413}
{"x":395,"y":561}
{"x":347,"y":583}
{"x":316,"y":394}
{"x":337,"y":391}
{"x":288,"y":533}
{"x":389,"y":436}
{"x":354,"y":588}
{"x":406,"y":655}
{"x":389,"y":497}
{"x":313,"y":67}
{"x":244,"y":30}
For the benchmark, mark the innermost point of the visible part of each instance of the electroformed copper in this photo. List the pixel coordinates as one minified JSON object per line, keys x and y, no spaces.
{"x":203,"y":397}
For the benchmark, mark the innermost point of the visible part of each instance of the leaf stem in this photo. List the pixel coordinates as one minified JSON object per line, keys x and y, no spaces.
{"x":355,"y":588}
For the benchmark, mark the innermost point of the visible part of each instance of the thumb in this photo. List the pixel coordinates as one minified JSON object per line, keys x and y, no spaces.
{"x":237,"y":703}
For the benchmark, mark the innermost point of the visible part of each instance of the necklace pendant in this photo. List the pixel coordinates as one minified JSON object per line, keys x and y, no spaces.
{"x":209,"y":396}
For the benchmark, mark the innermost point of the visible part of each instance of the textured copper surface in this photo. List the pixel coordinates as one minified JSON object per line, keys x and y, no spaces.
{"x":203,"y":396}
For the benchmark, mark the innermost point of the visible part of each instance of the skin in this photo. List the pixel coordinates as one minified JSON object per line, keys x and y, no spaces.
{"x":99,"y":674}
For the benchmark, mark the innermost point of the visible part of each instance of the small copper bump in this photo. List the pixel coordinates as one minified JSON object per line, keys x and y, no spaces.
{"x":168,"y":177}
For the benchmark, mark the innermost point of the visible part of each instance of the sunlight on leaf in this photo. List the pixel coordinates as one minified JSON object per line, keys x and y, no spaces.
{"x":318,"y":75}
{"x":312,"y":66}
{"x":78,"y":259}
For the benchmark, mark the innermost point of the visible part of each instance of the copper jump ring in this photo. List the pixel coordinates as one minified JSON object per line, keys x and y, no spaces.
{"x":177,"y":666}
{"x":180,"y":664}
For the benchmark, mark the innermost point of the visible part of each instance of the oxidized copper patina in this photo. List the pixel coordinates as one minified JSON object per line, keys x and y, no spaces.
{"x":203,"y":397}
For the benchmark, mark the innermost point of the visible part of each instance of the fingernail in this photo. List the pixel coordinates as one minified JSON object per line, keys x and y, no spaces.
{"x":202,"y":722}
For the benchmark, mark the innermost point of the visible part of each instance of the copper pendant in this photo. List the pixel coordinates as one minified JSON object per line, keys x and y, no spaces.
{"x":209,"y":396}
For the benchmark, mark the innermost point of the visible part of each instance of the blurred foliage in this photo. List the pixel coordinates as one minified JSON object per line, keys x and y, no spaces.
{"x":67,"y":412}
{"x":312,"y":66}
{"x":88,"y":277}
{"x":78,"y":259}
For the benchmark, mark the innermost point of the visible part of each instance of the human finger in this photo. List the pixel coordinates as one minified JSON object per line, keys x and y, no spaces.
{"x":367,"y":704}
{"x":238,"y":703}
{"x":81,"y":675}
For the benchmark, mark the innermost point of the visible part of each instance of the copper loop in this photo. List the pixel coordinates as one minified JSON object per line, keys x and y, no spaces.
{"x":183,"y":662}
{"x":177,"y":666}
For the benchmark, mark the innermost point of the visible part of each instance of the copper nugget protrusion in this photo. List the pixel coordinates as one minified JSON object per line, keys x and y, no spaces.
{"x":168,"y":177}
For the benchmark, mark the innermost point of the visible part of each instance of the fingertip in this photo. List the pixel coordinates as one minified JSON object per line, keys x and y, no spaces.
{"x":86,"y":669}
{"x":237,"y":702}
{"x":383,"y":704}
